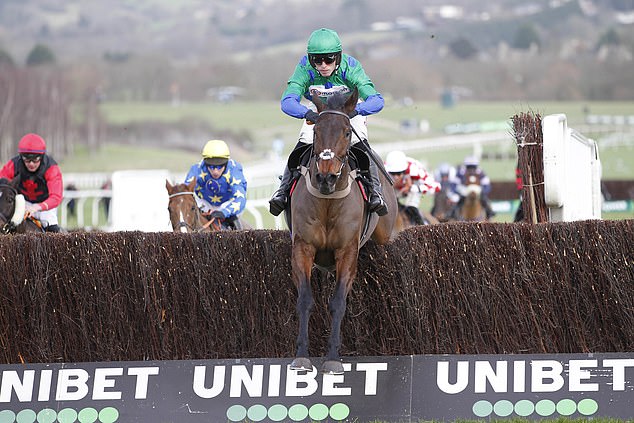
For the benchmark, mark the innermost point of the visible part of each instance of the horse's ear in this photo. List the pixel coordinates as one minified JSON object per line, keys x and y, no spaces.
{"x":321,"y":106}
{"x":351,"y":102}
{"x":169,"y":186}
{"x":191,"y":185}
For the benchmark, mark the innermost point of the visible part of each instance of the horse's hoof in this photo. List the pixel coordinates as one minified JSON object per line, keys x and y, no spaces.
{"x":332,"y":367}
{"x":302,"y":363}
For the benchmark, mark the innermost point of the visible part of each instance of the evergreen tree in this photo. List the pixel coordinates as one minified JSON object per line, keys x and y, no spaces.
{"x":40,"y":55}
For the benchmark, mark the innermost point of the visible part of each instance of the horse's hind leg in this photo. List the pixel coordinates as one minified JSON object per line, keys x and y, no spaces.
{"x":302,"y":263}
{"x":346,"y":272}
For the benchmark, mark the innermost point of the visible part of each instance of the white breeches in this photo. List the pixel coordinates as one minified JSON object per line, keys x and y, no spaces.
{"x":358,"y":123}
{"x":47,"y":217}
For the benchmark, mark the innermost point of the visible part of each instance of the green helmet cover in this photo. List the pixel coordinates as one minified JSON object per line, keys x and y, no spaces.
{"x":323,"y":41}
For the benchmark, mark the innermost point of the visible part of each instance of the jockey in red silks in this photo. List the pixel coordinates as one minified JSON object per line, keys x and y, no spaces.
{"x":40,"y":180}
{"x":411,"y":180}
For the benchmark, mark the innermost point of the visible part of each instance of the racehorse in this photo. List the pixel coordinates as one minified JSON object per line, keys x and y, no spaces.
{"x":327,"y":217}
{"x":12,"y":205}
{"x":184,"y":212}
{"x":185,"y":215}
{"x":472,"y":209}
{"x":409,"y":216}
{"x":443,"y":205}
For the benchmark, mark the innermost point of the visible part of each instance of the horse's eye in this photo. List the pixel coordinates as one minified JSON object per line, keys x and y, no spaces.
{"x":193,"y":208}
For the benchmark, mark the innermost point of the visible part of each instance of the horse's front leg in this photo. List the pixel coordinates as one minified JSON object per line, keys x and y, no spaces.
{"x":346,"y":272}
{"x":302,"y":260}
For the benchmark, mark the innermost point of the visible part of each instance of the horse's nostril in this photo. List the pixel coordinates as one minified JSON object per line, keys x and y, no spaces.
{"x":331,"y":178}
{"x":320,"y":178}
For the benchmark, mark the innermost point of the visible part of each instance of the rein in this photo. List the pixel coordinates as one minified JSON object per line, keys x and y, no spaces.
{"x":328,"y":154}
{"x":212,"y":221}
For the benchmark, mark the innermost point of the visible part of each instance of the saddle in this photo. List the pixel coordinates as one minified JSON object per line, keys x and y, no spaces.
{"x":358,"y":161}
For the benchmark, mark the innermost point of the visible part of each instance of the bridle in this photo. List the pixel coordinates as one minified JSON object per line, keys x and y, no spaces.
{"x":328,"y":154}
{"x":183,"y":226}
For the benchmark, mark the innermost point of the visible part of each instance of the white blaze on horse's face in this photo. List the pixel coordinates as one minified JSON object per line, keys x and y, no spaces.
{"x":182,"y":224}
{"x":327,"y":154}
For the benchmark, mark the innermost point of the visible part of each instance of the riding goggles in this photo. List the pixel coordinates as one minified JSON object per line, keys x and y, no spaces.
{"x":317,"y":59}
{"x":216,"y":167}
{"x":33,"y":158}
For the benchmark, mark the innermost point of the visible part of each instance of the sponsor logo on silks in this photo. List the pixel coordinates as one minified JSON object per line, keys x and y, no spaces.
{"x":322,"y":91}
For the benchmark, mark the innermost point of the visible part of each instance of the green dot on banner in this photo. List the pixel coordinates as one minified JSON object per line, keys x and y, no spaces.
{"x":257,"y":412}
{"x":566,"y":407}
{"x":524,"y":408}
{"x":503,"y":408}
{"x":108,"y":415}
{"x":318,"y":412}
{"x":545,"y":407}
{"x":277,"y":412}
{"x":88,"y":415}
{"x":587,"y":407}
{"x":47,"y":415}
{"x":482,"y":408}
{"x":298,"y":412}
{"x":26,"y":416}
{"x":67,"y":415}
{"x":7,"y":416}
{"x":236,"y":413}
{"x":339,"y":411}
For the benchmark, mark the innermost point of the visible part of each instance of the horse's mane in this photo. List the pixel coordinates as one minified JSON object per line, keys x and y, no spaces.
{"x":337,"y":101}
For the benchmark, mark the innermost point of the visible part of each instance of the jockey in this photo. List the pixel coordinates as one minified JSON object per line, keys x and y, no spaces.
{"x":221,"y":188}
{"x":411,"y":180}
{"x":445,"y":175}
{"x":326,"y":70}
{"x":40,"y":180}
{"x":471,"y":165}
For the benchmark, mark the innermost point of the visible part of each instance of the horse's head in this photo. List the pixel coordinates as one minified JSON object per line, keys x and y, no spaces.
{"x":11,"y":205}
{"x":332,"y":139}
{"x":182,"y":206}
{"x":473,"y":189}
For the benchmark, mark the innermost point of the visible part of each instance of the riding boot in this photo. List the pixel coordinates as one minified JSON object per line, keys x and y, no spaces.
{"x":278,"y":202}
{"x":377,"y":204}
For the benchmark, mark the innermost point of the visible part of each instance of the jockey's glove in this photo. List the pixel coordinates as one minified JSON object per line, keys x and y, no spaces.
{"x":217,"y":214}
{"x":311,"y":116}
{"x":353,"y":113}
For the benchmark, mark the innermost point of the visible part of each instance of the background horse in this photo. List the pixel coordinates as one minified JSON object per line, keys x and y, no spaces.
{"x":12,"y":206}
{"x":472,"y":209}
{"x":409,"y":216}
{"x":185,"y":215}
{"x":327,"y":217}
{"x":443,"y":205}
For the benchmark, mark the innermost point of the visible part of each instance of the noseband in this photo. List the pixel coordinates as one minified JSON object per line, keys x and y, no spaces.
{"x":183,"y":225}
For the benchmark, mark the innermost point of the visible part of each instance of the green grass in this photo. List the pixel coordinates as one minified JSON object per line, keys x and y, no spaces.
{"x":264,"y":122}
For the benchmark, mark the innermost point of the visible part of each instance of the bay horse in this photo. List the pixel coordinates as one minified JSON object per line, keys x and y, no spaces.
{"x":185,"y":215}
{"x":12,"y":210}
{"x":472,"y":209}
{"x":409,"y":216}
{"x":327,"y":216}
{"x":443,"y":205}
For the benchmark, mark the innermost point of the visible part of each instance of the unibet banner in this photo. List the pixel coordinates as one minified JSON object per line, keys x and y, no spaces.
{"x":389,"y":389}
